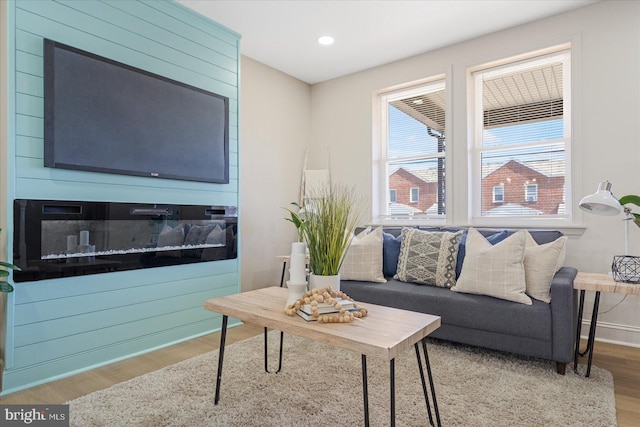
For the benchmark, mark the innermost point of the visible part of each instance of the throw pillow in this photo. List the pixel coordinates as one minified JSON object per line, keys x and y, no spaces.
{"x":428,"y":258}
{"x":497,"y":271}
{"x":390,"y":253}
{"x":363,"y":260}
{"x":541,"y":262}
{"x":462,"y":250}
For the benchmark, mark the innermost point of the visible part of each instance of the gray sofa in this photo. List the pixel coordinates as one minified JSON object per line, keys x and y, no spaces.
{"x":539,"y":330}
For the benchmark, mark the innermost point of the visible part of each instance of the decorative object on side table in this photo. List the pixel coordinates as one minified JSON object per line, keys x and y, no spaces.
{"x":4,"y":272}
{"x":326,"y":223}
{"x":624,"y":268}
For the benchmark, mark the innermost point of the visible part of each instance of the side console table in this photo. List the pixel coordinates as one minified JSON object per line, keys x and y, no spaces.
{"x":598,"y":283}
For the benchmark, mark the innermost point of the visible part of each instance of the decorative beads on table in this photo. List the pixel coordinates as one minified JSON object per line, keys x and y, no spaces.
{"x":327,"y":295}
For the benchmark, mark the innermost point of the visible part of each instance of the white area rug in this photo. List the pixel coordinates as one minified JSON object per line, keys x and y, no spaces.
{"x":321,"y":385}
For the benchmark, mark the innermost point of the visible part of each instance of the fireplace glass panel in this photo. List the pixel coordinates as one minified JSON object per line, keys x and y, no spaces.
{"x":61,"y":238}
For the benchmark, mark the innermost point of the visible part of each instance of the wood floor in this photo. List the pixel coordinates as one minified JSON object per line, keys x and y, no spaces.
{"x":623,"y":362}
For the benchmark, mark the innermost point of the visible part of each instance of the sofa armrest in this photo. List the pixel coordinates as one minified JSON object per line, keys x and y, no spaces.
{"x":563,"y":314}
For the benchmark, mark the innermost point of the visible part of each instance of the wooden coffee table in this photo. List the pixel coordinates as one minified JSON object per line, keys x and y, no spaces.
{"x":385,"y":333}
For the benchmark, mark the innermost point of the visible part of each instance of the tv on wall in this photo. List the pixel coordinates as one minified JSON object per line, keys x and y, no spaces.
{"x":105,"y":116}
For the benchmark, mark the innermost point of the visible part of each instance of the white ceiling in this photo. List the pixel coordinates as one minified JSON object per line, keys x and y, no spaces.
{"x":282,"y":34}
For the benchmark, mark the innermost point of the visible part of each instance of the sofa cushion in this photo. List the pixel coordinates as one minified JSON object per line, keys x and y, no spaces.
{"x":475,"y":312}
{"x":462,"y":250}
{"x":541,"y":262}
{"x":497,"y":271}
{"x":390,"y":253}
{"x":428,"y":257}
{"x":363,"y":260}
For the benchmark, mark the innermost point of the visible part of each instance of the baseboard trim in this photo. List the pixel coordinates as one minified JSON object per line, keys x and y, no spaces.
{"x":613,"y":333}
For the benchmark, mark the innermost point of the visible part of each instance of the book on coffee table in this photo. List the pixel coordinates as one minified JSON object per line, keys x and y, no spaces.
{"x":324,"y":308}
{"x":309,"y":317}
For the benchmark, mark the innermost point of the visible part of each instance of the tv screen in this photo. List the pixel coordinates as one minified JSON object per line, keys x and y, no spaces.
{"x":105,"y":116}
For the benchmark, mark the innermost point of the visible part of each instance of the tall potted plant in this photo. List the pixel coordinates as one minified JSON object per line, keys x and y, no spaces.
{"x":327,"y":223}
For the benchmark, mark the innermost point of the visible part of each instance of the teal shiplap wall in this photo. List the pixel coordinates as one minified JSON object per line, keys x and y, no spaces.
{"x":62,"y":326}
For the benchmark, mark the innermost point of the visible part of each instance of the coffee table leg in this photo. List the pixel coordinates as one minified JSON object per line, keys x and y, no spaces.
{"x":266,"y":358}
{"x":433,"y":389}
{"x":424,"y":383}
{"x":365,"y":392}
{"x":392,"y":388}
{"x":223,"y":337}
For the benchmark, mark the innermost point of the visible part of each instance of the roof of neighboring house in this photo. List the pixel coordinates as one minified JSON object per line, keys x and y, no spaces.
{"x":550,"y":168}
{"x":512,"y":209}
{"x":426,"y":175}
{"x":400,"y":209}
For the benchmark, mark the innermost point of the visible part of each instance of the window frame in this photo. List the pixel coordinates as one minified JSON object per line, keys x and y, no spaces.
{"x":475,"y":149}
{"x":380,"y":160}
{"x":415,"y":199}
{"x":495,"y":200}
{"x":393,"y":195}
{"x":535,"y":193}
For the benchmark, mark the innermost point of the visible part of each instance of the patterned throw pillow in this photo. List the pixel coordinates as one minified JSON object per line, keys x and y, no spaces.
{"x":428,"y":258}
{"x":363,"y":260}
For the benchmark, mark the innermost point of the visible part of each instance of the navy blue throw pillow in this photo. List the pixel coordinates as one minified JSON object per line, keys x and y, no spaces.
{"x":390,"y":253}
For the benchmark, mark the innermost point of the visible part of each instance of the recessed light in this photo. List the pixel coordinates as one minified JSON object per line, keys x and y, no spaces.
{"x":326,"y":40}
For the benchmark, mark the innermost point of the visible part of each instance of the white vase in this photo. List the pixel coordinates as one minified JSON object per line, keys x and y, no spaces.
{"x":296,"y":290}
{"x":321,"y":282}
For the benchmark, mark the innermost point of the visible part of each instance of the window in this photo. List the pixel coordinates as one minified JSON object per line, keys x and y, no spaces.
{"x":521,"y":137}
{"x":498,"y":194}
{"x":412,"y":154}
{"x":414,"y":197}
{"x":531,"y":193}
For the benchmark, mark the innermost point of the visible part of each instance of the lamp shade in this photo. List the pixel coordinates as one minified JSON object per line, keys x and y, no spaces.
{"x":601,"y":202}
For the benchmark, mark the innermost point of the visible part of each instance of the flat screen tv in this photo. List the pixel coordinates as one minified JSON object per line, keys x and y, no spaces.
{"x":105,"y":116}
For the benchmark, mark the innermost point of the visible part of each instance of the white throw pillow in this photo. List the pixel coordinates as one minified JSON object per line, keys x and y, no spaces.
{"x":363,"y":260}
{"x":494,"y":270}
{"x":541,"y":262}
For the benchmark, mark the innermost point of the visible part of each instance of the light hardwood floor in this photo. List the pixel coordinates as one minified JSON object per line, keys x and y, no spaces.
{"x":623,"y":362}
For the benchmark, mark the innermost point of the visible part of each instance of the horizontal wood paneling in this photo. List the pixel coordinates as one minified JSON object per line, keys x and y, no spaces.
{"x":18,"y":379}
{"x":64,"y":325}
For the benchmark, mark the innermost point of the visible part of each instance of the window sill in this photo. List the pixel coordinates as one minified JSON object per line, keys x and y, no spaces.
{"x":565,"y":228}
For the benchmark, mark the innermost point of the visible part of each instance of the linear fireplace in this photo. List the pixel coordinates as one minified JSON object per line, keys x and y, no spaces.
{"x":68,"y":238}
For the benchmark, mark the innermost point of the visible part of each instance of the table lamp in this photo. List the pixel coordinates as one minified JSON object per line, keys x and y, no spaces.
{"x":601,"y":202}
{"x":625,"y":268}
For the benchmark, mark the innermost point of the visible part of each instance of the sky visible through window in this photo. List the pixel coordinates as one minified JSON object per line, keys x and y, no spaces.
{"x":409,"y":137}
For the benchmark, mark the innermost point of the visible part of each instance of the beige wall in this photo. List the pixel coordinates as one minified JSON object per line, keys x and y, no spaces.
{"x":275,"y":125}
{"x":280,"y":115}
{"x":606,"y":90}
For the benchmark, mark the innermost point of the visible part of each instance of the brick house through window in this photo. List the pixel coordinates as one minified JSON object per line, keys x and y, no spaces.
{"x":524,"y":187}
{"x":405,"y":184}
